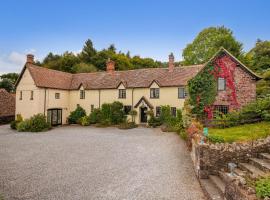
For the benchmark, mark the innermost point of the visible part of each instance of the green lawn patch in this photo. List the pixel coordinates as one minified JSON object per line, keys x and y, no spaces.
{"x":242,"y":133}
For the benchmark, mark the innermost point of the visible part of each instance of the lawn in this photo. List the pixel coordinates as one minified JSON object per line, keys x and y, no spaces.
{"x":242,"y":133}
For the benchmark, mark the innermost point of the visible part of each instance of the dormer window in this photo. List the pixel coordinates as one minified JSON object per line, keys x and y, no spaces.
{"x":82,"y":94}
{"x":121,"y":93}
{"x":154,"y":93}
{"x":221,"y":84}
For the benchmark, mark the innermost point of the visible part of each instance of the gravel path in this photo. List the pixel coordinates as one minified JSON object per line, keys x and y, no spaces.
{"x":73,"y":162}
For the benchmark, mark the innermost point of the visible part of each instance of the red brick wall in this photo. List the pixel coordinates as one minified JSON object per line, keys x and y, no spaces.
{"x":245,"y":86}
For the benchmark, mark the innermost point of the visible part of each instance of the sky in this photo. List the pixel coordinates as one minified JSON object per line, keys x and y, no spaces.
{"x":149,"y":28}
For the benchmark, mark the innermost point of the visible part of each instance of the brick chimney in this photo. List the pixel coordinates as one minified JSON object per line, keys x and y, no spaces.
{"x":110,"y":66}
{"x":171,"y":62}
{"x":30,"y":58}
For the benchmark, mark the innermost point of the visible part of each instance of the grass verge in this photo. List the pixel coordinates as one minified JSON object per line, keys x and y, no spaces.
{"x":242,"y":133}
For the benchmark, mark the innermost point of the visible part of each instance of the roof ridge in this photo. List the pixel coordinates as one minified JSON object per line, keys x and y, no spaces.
{"x":150,"y":68}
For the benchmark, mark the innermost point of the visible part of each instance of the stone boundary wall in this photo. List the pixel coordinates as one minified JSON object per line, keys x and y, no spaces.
{"x":211,"y":158}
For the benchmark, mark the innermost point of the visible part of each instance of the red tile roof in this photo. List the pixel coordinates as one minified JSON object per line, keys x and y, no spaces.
{"x":48,"y":78}
{"x":7,"y":103}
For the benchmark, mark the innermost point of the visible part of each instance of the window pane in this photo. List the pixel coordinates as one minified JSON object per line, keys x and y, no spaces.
{"x":127,"y":109}
{"x":181,"y":93}
{"x":173,"y":111}
{"x":157,"y":111}
{"x":221,"y":84}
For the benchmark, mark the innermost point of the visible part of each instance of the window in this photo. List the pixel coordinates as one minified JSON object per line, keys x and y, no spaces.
{"x":82,"y":94}
{"x":57,"y":95}
{"x":121,"y":93}
{"x":127,"y":109}
{"x":221,"y":109}
{"x":32,"y":95}
{"x":154,"y":93}
{"x":158,"y":111}
{"x":20,"y":95}
{"x":182,"y":93}
{"x":173,"y":111}
{"x":92,"y":108}
{"x":221,"y":84}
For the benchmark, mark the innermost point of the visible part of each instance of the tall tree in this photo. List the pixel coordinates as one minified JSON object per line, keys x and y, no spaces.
{"x":208,"y":42}
{"x":260,"y":56}
{"x":88,"y":52}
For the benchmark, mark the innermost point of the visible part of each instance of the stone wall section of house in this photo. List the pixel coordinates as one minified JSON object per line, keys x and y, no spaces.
{"x":245,"y":86}
{"x":212,"y":158}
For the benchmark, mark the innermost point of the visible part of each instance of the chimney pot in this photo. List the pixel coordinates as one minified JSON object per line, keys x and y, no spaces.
{"x":171,"y":62}
{"x":110,"y":66}
{"x":30,"y":58}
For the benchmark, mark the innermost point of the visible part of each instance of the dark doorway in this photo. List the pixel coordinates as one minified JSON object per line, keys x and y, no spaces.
{"x":54,"y":116}
{"x":143,"y":114}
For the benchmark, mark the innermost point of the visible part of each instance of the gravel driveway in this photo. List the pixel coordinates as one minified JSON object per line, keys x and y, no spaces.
{"x":73,"y":162}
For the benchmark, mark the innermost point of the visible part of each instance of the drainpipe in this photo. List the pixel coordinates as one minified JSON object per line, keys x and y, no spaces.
{"x":99,"y":99}
{"x":45,"y":97}
{"x":132,"y":98}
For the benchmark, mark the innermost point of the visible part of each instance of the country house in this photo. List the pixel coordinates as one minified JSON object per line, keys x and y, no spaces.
{"x":56,"y":94}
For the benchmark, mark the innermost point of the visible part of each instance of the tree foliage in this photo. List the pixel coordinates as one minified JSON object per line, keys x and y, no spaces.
{"x":208,"y":42}
{"x":7,"y":81}
{"x":260,"y":56}
{"x":89,"y":60}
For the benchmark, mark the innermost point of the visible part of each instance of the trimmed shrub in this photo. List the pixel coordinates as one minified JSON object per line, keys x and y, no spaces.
{"x":153,"y":121}
{"x":263,"y":187}
{"x":13,"y":124}
{"x":76,"y":115}
{"x":36,"y":123}
{"x":24,"y":126}
{"x":215,"y":139}
{"x":85,"y":121}
{"x":95,"y":116}
{"x":39,"y":123}
{"x":117,"y":113}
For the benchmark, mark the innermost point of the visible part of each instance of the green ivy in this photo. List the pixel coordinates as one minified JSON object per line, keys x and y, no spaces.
{"x":202,"y":90}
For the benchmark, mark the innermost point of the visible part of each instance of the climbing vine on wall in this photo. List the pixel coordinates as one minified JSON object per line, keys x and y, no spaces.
{"x":203,"y":87}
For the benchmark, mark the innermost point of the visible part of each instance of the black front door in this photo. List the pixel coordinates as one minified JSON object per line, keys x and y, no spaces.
{"x":143,"y":114}
{"x":54,"y":116}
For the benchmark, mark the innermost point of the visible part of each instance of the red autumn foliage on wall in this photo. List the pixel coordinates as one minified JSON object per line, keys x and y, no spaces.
{"x":224,"y":67}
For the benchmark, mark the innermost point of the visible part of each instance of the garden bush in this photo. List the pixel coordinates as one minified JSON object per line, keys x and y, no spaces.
{"x":153,"y":121}
{"x":256,"y":111}
{"x":76,"y":115}
{"x":39,"y":123}
{"x":24,"y":126}
{"x":13,"y":124}
{"x":263,"y":187}
{"x":117,"y":113}
{"x":36,"y":123}
{"x":85,"y":121}
{"x":95,"y":116}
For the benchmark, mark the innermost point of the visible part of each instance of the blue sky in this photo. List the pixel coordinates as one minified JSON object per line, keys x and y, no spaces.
{"x":149,"y":28}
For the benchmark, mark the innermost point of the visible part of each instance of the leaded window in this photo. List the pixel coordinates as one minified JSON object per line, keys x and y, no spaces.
{"x":121,"y":93}
{"x":154,"y":93}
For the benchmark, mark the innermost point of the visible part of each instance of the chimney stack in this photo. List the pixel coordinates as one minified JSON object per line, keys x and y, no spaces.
{"x":30,"y":58}
{"x":110,"y":66}
{"x":171,"y":62}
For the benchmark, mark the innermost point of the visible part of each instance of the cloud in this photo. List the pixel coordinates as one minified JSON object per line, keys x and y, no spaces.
{"x":13,"y":62}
